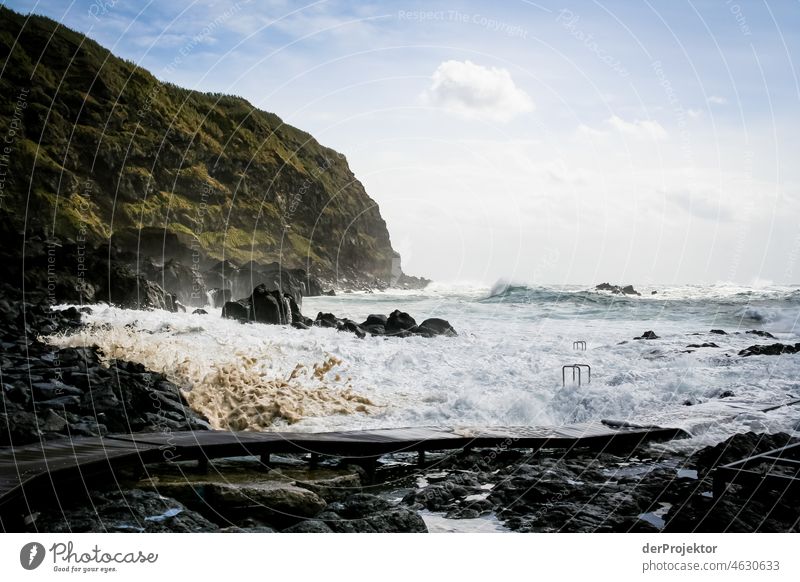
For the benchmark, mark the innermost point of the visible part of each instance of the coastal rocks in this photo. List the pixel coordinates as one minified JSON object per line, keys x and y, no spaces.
{"x":275,"y":503}
{"x":436,"y":326}
{"x":770,"y":350}
{"x":184,"y":282}
{"x":399,"y":323}
{"x":365,"y":513}
{"x":760,"y":333}
{"x":237,"y":310}
{"x":263,"y":306}
{"x":50,"y":393}
{"x":124,"y":288}
{"x":335,"y":488}
{"x":240,"y":280}
{"x":647,"y":335}
{"x":127,"y":511}
{"x":718,"y":332}
{"x":617,"y":289}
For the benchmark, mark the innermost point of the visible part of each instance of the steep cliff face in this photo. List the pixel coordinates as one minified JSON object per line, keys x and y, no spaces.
{"x":103,"y":151}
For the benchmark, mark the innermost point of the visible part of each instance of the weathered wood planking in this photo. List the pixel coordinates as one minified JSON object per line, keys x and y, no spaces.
{"x":50,"y":466}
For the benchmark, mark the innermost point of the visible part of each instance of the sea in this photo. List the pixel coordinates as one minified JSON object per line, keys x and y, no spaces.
{"x":505,"y":367}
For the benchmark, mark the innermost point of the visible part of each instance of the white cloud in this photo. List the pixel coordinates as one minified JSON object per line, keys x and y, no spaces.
{"x":638,"y":129}
{"x":474,"y":91}
{"x":717,"y":100}
{"x":694,"y":113}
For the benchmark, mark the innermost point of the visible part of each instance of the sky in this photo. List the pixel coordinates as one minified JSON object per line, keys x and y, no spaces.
{"x":651,"y":142}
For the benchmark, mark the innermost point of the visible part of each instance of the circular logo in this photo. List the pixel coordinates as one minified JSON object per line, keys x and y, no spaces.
{"x":31,"y":555}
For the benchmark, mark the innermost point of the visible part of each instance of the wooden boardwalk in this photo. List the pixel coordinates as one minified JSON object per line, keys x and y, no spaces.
{"x":63,"y":468}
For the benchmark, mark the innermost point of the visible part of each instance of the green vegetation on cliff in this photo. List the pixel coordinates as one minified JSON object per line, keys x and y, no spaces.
{"x":102,"y":149}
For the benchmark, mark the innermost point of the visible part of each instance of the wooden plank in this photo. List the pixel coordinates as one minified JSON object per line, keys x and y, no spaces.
{"x":37,"y":464}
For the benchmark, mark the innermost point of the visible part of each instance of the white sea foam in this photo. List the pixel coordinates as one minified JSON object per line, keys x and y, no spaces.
{"x":504,"y":368}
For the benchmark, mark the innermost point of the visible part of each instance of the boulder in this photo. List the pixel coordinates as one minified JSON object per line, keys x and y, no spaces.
{"x":398,"y":322}
{"x":326,"y":320}
{"x":438,"y":327}
{"x":365,"y":513}
{"x":770,"y":350}
{"x":236,"y":310}
{"x":647,"y":335}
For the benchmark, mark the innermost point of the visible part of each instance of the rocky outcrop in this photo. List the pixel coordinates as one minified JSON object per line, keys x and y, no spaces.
{"x":770,"y":350}
{"x":617,"y":289}
{"x":265,"y":306}
{"x":647,"y":335}
{"x":53,"y":393}
{"x":127,"y":511}
{"x":175,"y":174}
{"x":365,"y":513}
{"x":269,"y":306}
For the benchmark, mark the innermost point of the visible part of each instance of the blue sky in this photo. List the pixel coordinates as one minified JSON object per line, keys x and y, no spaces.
{"x":649,"y":142}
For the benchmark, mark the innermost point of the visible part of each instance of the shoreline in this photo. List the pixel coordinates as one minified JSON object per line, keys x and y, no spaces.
{"x":647,"y":490}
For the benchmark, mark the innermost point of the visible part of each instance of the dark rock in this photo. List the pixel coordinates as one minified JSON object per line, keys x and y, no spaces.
{"x":375,"y":319}
{"x":309,"y":526}
{"x":718,"y":332}
{"x":267,"y":306}
{"x":617,"y":289}
{"x":351,"y":326}
{"x":761,"y":333}
{"x":365,"y":513}
{"x":326,"y":320}
{"x":703,"y":345}
{"x":398,"y":322}
{"x":727,"y":394}
{"x":199,"y":312}
{"x":653,"y":292}
{"x":647,"y":335}
{"x":770,"y":350}
{"x":126,"y":511}
{"x":236,"y":310}
{"x":438,"y":327}
{"x":329,"y":293}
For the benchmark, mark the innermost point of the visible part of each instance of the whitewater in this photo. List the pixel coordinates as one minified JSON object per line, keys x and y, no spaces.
{"x":503,"y":369}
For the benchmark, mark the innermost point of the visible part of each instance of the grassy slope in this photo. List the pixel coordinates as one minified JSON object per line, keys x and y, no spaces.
{"x":102,"y":148}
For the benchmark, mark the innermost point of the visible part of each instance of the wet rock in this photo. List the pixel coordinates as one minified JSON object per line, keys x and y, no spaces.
{"x":365,"y":513}
{"x":399,"y":322}
{"x":236,"y":310}
{"x":770,"y":350}
{"x":326,"y":320}
{"x":760,"y":333}
{"x":199,"y":312}
{"x":281,"y":502}
{"x":703,"y":345}
{"x":438,"y":326}
{"x":333,"y":489}
{"x":647,"y":335}
{"x":617,"y":289}
{"x":718,"y":332}
{"x":309,"y":526}
{"x":128,"y":511}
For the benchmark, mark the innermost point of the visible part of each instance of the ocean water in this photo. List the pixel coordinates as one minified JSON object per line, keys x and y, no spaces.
{"x":504,"y":368}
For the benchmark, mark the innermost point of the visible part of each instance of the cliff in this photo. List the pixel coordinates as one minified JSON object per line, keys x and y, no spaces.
{"x":104,"y":152}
